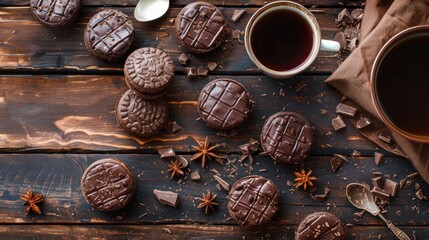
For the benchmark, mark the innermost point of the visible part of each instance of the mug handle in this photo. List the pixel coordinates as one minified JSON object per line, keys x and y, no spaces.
{"x":329,"y":45}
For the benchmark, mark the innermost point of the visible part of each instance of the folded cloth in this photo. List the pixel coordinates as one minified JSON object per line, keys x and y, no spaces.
{"x":382,"y":19}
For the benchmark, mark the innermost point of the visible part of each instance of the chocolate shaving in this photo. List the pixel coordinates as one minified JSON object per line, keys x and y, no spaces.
{"x":167,"y":153}
{"x":237,"y":14}
{"x":222,"y":182}
{"x":391,"y":186}
{"x":378,"y":157}
{"x":338,"y":123}
{"x":301,"y":85}
{"x":385,"y":138}
{"x":336,"y":162}
{"x":195,"y":176}
{"x":363,"y":122}
{"x":166,"y":197}
{"x":417,"y":186}
{"x":412,"y":175}
{"x":420,"y":195}
{"x":184,"y":59}
{"x":346,"y":110}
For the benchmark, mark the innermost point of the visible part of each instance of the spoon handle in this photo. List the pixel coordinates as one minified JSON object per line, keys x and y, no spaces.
{"x":398,"y":232}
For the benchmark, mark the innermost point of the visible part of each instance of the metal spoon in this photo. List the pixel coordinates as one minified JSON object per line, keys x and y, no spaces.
{"x":362,"y":198}
{"x":148,"y":10}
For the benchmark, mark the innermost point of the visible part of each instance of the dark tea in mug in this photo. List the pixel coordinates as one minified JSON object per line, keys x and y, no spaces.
{"x":402,"y":85}
{"x":282,"y":39}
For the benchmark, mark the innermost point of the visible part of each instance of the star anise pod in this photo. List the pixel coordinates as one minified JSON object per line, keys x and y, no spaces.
{"x":205,"y":151}
{"x":31,"y":201}
{"x":176,"y":168}
{"x":304,"y":178}
{"x":208,"y":201}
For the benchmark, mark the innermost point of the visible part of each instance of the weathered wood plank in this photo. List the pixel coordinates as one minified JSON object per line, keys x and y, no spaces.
{"x":57,"y":176}
{"x":42,"y":48}
{"x":186,"y":232}
{"x":63,"y":113}
{"x":308,"y":3}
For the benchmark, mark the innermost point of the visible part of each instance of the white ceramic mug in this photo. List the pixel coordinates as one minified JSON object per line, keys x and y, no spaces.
{"x":318,"y":42}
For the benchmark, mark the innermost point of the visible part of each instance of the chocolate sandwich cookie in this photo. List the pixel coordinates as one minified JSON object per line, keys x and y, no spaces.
{"x":108,"y":184}
{"x":320,"y":226}
{"x":253,"y":201}
{"x":200,"y":27}
{"x":287,"y":137}
{"x":109,"y":35}
{"x":148,"y":72}
{"x":54,"y":13}
{"x":224,"y":104}
{"x":141,"y":117}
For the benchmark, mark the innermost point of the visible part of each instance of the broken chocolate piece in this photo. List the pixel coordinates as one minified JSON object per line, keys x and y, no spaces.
{"x":339,"y":37}
{"x":357,"y":14}
{"x":166,"y":197}
{"x":391,"y":186}
{"x":191,"y":72}
{"x":353,"y":44}
{"x":253,"y":145}
{"x":346,"y":110}
{"x":420,"y":195}
{"x":173,"y":127}
{"x":377,"y":182}
{"x":222,"y":182}
{"x":237,"y":14}
{"x":244,"y":148}
{"x":322,"y":197}
{"x":236,"y":34}
{"x":384,"y":137}
{"x":183,"y":160}
{"x":378,"y":157}
{"x":195,"y":176}
{"x":416,"y":186}
{"x":202,"y":71}
{"x":167,"y":153}
{"x":338,"y":123}
{"x":336,"y":162}
{"x":363,"y":122}
{"x":412,"y":175}
{"x":184,"y":59}
{"x":212,"y":66}
{"x":344,"y":17}
{"x":344,"y":157}
{"x":381,"y":193}
{"x":351,"y":32}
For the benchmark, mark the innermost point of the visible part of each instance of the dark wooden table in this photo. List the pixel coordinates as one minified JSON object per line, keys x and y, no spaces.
{"x":57,"y":117}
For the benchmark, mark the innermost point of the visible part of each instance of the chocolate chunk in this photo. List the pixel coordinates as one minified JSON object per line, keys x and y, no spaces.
{"x":351,"y":32}
{"x":224,"y":104}
{"x":338,"y":123}
{"x":200,"y":27}
{"x":167,"y":153}
{"x":381,"y":193}
{"x":377,"y":182}
{"x":391,"y":186}
{"x":195,"y":176}
{"x":167,"y":198}
{"x":253,"y":201}
{"x":148,"y":72}
{"x":253,"y":145}
{"x":222,"y":182}
{"x":109,"y":35}
{"x":287,"y":137}
{"x":346,"y":110}
{"x":322,"y":197}
{"x":417,"y":186}
{"x":384,"y":137}
{"x":140,"y":117}
{"x":212,"y":66}
{"x":108,"y":184}
{"x":363,"y":122}
{"x":357,"y":14}
{"x":202,"y":71}
{"x":237,"y":14}
{"x":55,"y":13}
{"x":353,"y":44}
{"x":184,"y":59}
{"x":191,"y":72}
{"x":378,"y":157}
{"x":173,"y":127}
{"x":420,"y":195}
{"x":244,"y":148}
{"x":336,"y":162}
{"x":339,"y":37}
{"x":344,"y":17}
{"x":320,"y":226}
{"x":236,"y":34}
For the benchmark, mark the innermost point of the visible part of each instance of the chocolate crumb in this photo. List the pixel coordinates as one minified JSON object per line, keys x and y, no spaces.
{"x":338,"y":123}
{"x":184,"y":59}
{"x":222,"y":182}
{"x":167,"y":153}
{"x":195,"y":176}
{"x":357,"y":14}
{"x":346,"y":110}
{"x":378,"y":157}
{"x":237,"y":14}
{"x":381,"y":193}
{"x":172,"y":20}
{"x":363,"y":122}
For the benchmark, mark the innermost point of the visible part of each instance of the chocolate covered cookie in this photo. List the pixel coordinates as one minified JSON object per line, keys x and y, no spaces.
{"x":253,"y":200}
{"x":200,"y":27}
{"x":109,"y":35}
{"x":224,"y":104}
{"x":287,"y":137}
{"x":141,"y":117}
{"x":148,"y":72}
{"x":108,"y":184}
{"x":55,"y":13}
{"x":320,"y":226}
